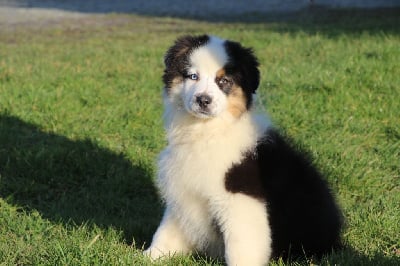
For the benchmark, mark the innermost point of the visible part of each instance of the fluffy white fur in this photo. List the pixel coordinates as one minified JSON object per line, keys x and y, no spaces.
{"x":192,"y":168}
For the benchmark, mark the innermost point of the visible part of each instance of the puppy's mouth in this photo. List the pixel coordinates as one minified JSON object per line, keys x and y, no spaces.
{"x":202,"y":113}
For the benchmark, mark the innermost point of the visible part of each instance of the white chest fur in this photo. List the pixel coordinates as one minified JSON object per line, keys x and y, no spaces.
{"x":192,"y":169}
{"x":199,"y":154}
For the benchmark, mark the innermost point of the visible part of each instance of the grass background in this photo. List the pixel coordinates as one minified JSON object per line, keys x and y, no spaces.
{"x":80,"y":127}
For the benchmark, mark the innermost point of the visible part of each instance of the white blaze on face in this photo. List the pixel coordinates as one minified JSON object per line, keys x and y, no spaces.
{"x":205,"y":62}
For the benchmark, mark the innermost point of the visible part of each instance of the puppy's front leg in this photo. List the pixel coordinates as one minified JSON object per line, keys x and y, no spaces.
{"x":246,"y":231}
{"x":168,"y":239}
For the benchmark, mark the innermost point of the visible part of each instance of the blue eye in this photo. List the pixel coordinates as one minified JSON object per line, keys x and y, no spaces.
{"x":193,"y":76}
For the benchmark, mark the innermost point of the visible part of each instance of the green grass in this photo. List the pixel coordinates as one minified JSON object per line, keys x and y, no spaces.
{"x":80,"y":128}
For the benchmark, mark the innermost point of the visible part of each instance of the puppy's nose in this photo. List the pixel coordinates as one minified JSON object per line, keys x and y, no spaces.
{"x":203,"y":100}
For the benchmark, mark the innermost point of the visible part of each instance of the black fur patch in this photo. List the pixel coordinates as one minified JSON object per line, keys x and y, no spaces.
{"x":245,"y":178}
{"x":176,"y":58}
{"x":303,"y":215}
{"x":243,"y":68}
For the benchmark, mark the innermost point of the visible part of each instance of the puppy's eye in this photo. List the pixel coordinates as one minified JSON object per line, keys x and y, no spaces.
{"x":193,"y":76}
{"x":223,"y":81}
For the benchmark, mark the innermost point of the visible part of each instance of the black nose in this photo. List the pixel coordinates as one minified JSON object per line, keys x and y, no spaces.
{"x":203,"y":100}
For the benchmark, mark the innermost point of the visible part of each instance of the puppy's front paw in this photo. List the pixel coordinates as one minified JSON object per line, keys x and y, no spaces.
{"x":153,"y":253}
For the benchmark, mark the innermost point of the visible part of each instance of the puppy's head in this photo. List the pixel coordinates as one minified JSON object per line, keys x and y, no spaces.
{"x":209,"y":76}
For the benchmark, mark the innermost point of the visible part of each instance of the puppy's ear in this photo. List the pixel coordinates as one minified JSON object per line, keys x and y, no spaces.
{"x":243,"y":66}
{"x":177,"y":58}
{"x":182,"y":48}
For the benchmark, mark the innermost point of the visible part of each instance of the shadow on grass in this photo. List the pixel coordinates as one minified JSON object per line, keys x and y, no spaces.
{"x":75,"y":182}
{"x":347,"y":256}
{"x":350,"y":256}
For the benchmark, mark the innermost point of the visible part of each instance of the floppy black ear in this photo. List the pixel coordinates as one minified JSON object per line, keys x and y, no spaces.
{"x":182,"y":48}
{"x":176,"y":58}
{"x":243,"y":66}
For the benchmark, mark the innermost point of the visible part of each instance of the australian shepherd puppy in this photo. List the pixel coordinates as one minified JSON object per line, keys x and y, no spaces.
{"x":232,"y":185}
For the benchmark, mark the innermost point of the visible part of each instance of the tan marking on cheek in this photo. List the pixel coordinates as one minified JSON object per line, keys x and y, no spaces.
{"x":175,"y":82}
{"x":236,"y":101}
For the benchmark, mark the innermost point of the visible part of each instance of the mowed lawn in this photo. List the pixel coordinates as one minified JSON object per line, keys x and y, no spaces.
{"x":81,"y":127}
